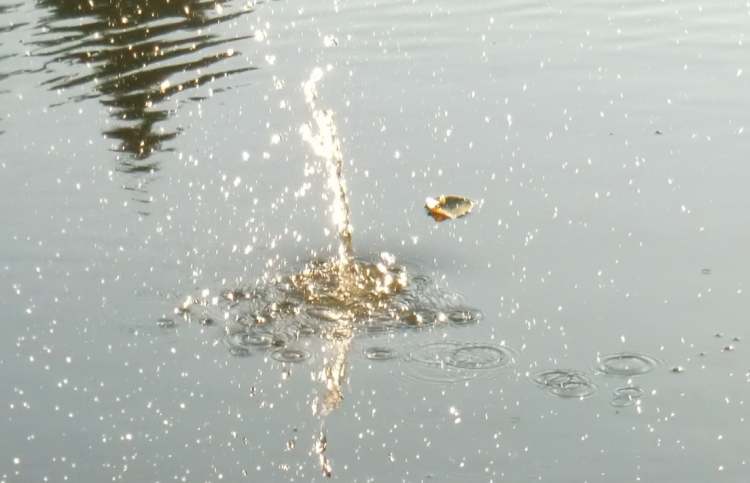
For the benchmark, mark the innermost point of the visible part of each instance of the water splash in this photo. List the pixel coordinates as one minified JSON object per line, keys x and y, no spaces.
{"x":369,"y":297}
{"x":325,"y":144}
{"x":340,"y":298}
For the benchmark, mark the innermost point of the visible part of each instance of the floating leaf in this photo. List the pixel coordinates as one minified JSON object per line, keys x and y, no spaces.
{"x":448,"y":207}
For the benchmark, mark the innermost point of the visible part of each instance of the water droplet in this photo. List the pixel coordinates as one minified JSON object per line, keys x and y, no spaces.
{"x":626,"y":364}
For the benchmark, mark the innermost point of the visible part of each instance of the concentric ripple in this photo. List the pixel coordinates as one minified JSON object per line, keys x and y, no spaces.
{"x":626,"y":364}
{"x":479,"y":356}
{"x":290,"y":354}
{"x":449,"y":361}
{"x":565,"y":383}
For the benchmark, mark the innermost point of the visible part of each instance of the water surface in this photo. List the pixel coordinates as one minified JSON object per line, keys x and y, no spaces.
{"x":152,"y":153}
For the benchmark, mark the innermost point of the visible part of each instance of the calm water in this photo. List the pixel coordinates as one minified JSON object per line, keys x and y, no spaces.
{"x":586,"y":323}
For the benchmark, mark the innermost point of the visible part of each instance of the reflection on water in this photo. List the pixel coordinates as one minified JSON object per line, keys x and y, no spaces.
{"x":333,"y":378}
{"x":7,"y":25}
{"x":133,"y":56}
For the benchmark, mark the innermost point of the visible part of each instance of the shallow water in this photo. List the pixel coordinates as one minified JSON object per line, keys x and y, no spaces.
{"x":151,"y":156}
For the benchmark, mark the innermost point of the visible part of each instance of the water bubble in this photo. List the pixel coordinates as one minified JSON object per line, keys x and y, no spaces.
{"x":626,"y":364}
{"x":305,"y":330}
{"x":626,"y":396}
{"x":464,"y":316}
{"x":421,"y":317}
{"x":325,"y":314}
{"x":183,"y":310}
{"x":239,"y":351}
{"x":565,"y":383}
{"x":258,"y":338}
{"x":380,"y":326}
{"x":290,"y":354}
{"x":379,"y":353}
{"x":421,"y":280}
{"x":281,"y":308}
{"x":234,"y":295}
{"x":165,"y":323}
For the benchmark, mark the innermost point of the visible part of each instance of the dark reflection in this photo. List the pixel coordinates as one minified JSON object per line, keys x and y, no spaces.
{"x":10,"y":26}
{"x":133,"y":55}
{"x":7,"y":25}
